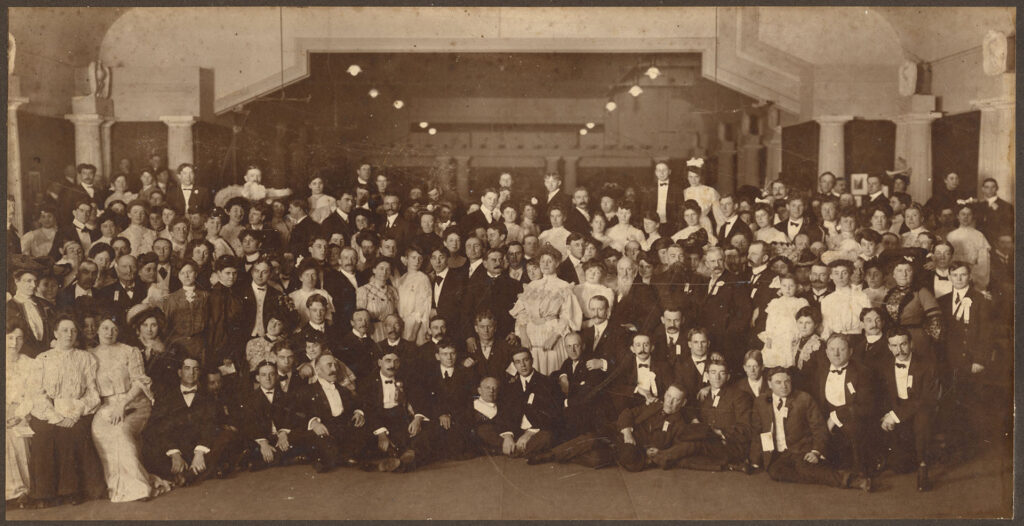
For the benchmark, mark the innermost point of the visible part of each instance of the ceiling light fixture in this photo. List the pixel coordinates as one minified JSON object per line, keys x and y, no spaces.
{"x":590,"y":126}
{"x":398,"y":104}
{"x":374,"y":93}
{"x":611,"y":106}
{"x":432,"y":131}
{"x":636,"y":90}
{"x":652,"y":72}
{"x":583,"y":131}
{"x":424,"y":124}
{"x":354,"y":70}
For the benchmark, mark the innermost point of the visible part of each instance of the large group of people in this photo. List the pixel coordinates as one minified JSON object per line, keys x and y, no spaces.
{"x":160,"y":332}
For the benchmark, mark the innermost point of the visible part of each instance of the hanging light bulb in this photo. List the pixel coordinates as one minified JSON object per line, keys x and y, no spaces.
{"x":652,"y":72}
{"x":583,"y":131}
{"x":398,"y":104}
{"x":424,"y":124}
{"x":590,"y":126}
{"x":432,"y":131}
{"x":354,"y":70}
{"x":636,"y":90}
{"x":611,"y":106}
{"x":374,"y":93}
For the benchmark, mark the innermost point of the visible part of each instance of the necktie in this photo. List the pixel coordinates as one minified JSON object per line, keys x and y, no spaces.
{"x":163,"y":273}
{"x":901,"y":365}
{"x":447,"y":375}
{"x":956,"y":306}
{"x":438,"y":280}
{"x":941,"y":278}
{"x":838,"y":371}
{"x":189,"y":189}
{"x":644,"y":366}
{"x":779,"y":406}
{"x":671,"y":343}
{"x":190,"y":391}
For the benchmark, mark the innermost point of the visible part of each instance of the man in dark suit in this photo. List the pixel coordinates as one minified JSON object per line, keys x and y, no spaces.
{"x":356,"y":348}
{"x":762,"y":284}
{"x":531,"y":404}
{"x":331,"y":333}
{"x":790,"y":435}
{"x":669,"y":337}
{"x":304,"y":229}
{"x":731,"y":222}
{"x":334,"y":418}
{"x":487,"y":418}
{"x":845,"y":390}
{"x":640,"y":378}
{"x":259,"y":302}
{"x":876,"y":194}
{"x":666,"y":199}
{"x":449,"y":288}
{"x":487,"y":355}
{"x":392,"y":224}
{"x":188,"y":198}
{"x":725,"y":411}
{"x":657,"y":434}
{"x":724,"y":309}
{"x":691,"y":368}
{"x":570,"y":270}
{"x":636,"y":304}
{"x":81,"y":287}
{"x":401,"y":429}
{"x":493,"y":290}
{"x":577,"y":218}
{"x":911,"y":394}
{"x":994,"y":213}
{"x":86,"y":188}
{"x":967,"y":340}
{"x":445,"y":393}
{"x":126,"y":292}
{"x":555,"y":198}
{"x":798,"y":223}
{"x":270,"y":424}
{"x":602,"y":340}
{"x":483,"y":216}
{"x":179,"y":437}
{"x":75,"y":230}
{"x":339,"y":222}
{"x":394,"y":343}
{"x":30,"y":312}
{"x":227,"y":332}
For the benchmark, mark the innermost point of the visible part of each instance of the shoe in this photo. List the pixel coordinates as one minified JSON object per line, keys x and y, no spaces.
{"x":388,"y":464}
{"x":861,"y":482}
{"x":923,"y":484}
{"x":407,"y":460}
{"x":742,"y":467}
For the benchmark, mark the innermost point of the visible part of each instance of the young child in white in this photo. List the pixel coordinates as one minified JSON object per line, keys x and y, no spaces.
{"x":780,"y":326}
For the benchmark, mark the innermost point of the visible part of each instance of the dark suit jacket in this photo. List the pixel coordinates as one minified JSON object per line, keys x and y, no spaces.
{"x":68,"y":231}
{"x":71,"y":194}
{"x":967,"y":343}
{"x":639,"y":307}
{"x":472,"y":221}
{"x":860,"y":393}
{"x":623,"y":377}
{"x":247,"y":318}
{"x":738,"y":227}
{"x":116,"y":297}
{"x":613,"y":339}
{"x":496,"y":364}
{"x":188,"y":323}
{"x":439,"y":396}
{"x":200,"y":201}
{"x":544,"y":206}
{"x":730,"y":414}
{"x":334,"y":224}
{"x":586,"y":407}
{"x":544,"y":411}
{"x":741,"y":384}
{"x":575,"y":221}
{"x":450,"y":305}
{"x":650,"y":429}
{"x":370,"y":391}
{"x":399,"y":230}
{"x":226,"y":329}
{"x":259,"y":417}
{"x":991,"y":222}
{"x":497,"y":294}
{"x":302,"y":234}
{"x":567,"y":272}
{"x":922,"y":394}
{"x":673,"y":208}
{"x":357,"y":353}
{"x":310,"y":402}
{"x":805,"y":426}
{"x":689,"y":377}
{"x":16,"y":315}
{"x":175,"y":425}
{"x":725,"y":314}
{"x":813,"y":231}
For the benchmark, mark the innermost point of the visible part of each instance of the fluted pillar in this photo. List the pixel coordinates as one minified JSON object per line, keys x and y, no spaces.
{"x":996,"y":155}
{"x":462,"y":177}
{"x":571,"y":168}
{"x":831,"y":154}
{"x":14,"y":176}
{"x":180,"y":147}
{"x":914,"y":144}
{"x":107,"y":170}
{"x":88,"y":139}
{"x":726,"y":183}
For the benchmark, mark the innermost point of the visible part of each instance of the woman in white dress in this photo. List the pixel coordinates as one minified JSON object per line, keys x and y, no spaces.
{"x":593,"y":285}
{"x":18,"y":433}
{"x":545,"y":312}
{"x":970,"y":245}
{"x":415,"y":293}
{"x":599,"y":228}
{"x":651,"y":225}
{"x":624,"y":232}
{"x":308,"y":273}
{"x":320,"y":204}
{"x":705,"y":196}
{"x":126,"y":403}
{"x":766,"y":230}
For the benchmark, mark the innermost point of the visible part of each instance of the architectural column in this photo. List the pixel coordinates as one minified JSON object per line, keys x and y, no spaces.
{"x":444,"y":172}
{"x":914,"y":145}
{"x":726,"y":155}
{"x":551,"y":163}
{"x":773,"y":161}
{"x":88,"y":139}
{"x":831,"y":154}
{"x":179,"y":140}
{"x":107,"y":170}
{"x":571,"y":166}
{"x":14,"y":175}
{"x":462,"y":177}
{"x":996,"y":144}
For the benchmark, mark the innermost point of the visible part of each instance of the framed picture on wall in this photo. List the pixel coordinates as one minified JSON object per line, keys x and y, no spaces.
{"x":859,"y":184}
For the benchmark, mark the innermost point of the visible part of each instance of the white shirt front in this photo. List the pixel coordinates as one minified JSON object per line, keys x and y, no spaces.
{"x":755,"y":387}
{"x":663,"y":201}
{"x":488,"y":409}
{"x":835,"y":391}
{"x":645,"y":378}
{"x":475,"y":265}
{"x":958,"y":306}
{"x":391,"y":220}
{"x":792,"y":231}
{"x":447,"y":372}
{"x":437,"y":286}
{"x":390,"y":392}
{"x":780,"y":423}
{"x":258,"y":328}
{"x":599,"y":329}
{"x":333,"y":397}
{"x":189,"y":393}
{"x":902,"y":378}
{"x":942,"y":286}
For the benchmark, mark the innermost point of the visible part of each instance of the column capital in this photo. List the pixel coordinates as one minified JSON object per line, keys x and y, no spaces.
{"x":462,"y":159}
{"x":178,"y":120}
{"x":993,"y":104}
{"x":918,"y":118}
{"x":833,"y":119}
{"x":13,"y":103}
{"x":85,"y":118}
{"x":571,"y":159}
{"x":552,"y":158}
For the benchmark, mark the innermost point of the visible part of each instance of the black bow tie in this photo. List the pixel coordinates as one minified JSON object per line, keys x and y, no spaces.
{"x":389,"y":381}
{"x":700,"y":362}
{"x":282,"y":378}
{"x":942,"y":278}
{"x":662,"y":184}
{"x":83,"y":229}
{"x":261,"y":289}
{"x":797,"y":225}
{"x":194,"y":390}
{"x":838,"y":371}
{"x":268,"y":393}
{"x":438,"y":279}
{"x":901,"y":365}
{"x":644,"y":365}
